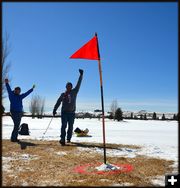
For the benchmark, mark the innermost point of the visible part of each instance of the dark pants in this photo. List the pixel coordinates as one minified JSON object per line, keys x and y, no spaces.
{"x":16,"y":117}
{"x":67,"y":117}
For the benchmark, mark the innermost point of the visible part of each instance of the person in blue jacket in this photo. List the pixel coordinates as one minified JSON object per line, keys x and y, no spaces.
{"x":16,"y":107}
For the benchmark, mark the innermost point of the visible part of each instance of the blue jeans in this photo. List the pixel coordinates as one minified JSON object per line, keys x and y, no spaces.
{"x":16,"y":117}
{"x":67,"y":118}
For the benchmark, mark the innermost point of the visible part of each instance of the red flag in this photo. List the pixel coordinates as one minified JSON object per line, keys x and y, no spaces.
{"x":89,"y":51}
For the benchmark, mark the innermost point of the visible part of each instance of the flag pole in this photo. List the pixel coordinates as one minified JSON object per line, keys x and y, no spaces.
{"x":102,"y":102}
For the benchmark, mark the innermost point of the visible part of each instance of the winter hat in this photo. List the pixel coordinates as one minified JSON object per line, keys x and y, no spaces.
{"x":17,"y":88}
{"x":69,"y":83}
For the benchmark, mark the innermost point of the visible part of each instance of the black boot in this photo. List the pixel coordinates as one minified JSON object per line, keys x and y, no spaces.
{"x":14,"y":140}
{"x":62,"y":142}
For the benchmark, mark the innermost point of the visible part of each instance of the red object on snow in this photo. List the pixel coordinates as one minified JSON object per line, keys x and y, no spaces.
{"x":84,"y":169}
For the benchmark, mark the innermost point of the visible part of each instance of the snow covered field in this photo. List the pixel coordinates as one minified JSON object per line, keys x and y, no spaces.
{"x":157,"y":139}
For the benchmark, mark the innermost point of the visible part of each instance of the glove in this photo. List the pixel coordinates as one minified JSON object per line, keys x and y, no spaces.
{"x":54,"y":112}
{"x":33,"y":86}
{"x":81,"y":71}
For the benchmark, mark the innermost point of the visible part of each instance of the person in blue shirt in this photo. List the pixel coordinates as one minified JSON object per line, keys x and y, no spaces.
{"x":16,"y":107}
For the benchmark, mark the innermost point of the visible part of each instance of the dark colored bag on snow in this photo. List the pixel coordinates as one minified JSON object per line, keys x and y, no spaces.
{"x":77,"y":130}
{"x":24,"y":129}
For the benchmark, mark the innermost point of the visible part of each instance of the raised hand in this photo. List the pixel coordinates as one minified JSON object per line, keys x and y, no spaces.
{"x":54,"y":112}
{"x":81,"y":71}
{"x":6,"y":81}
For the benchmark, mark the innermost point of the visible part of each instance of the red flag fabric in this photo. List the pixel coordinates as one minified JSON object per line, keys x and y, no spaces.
{"x":88,"y":51}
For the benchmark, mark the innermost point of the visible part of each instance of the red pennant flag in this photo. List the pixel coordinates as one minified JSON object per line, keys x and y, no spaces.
{"x":89,"y":51}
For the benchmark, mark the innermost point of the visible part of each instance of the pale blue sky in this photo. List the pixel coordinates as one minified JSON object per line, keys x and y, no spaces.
{"x":138,"y":45}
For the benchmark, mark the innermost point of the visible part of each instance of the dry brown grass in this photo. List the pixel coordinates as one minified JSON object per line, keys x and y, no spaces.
{"x":47,"y":167}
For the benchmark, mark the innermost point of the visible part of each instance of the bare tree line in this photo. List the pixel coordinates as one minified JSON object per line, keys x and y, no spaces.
{"x":4,"y":62}
{"x":114,"y":107}
{"x":36,"y":106}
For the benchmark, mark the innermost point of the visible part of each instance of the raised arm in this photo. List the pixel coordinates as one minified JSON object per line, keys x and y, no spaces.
{"x":79,"y":80}
{"x":8,"y":87}
{"x":27,"y":93}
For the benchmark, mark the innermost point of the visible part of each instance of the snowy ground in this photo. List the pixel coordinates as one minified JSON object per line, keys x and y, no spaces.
{"x":157,"y":138}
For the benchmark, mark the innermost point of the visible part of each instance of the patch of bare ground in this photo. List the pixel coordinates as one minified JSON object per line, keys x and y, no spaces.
{"x":47,"y":163}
